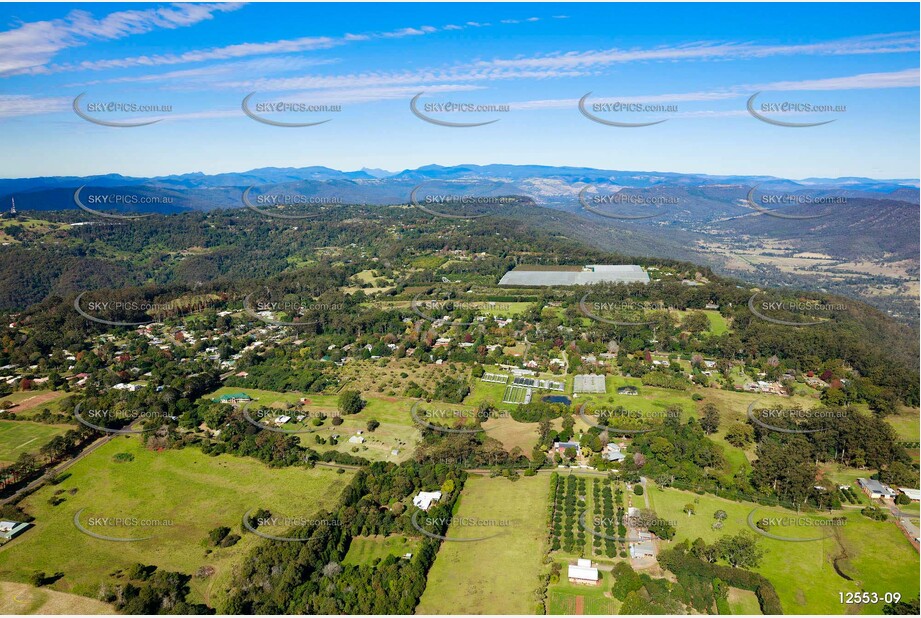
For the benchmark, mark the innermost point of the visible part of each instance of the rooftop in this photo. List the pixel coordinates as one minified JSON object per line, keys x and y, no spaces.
{"x":593,"y":273}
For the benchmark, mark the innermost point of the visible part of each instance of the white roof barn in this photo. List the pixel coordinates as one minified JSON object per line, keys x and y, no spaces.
{"x":425,"y":499}
{"x":583,"y":572}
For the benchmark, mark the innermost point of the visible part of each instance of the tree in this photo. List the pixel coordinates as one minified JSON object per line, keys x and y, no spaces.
{"x":662,"y":528}
{"x":711,"y":419}
{"x":350,"y":402}
{"x":741,"y":550}
{"x":740,"y":434}
{"x":689,"y":509}
{"x":373,"y":424}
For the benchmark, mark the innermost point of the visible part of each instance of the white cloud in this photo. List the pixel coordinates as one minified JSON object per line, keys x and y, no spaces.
{"x":13,"y":105}
{"x":29,"y":48}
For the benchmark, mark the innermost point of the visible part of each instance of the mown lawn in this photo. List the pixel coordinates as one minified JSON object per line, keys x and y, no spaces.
{"x":874,"y":554}
{"x":17,"y":437}
{"x":193,"y":492}
{"x":365,"y":549}
{"x":497,"y":575}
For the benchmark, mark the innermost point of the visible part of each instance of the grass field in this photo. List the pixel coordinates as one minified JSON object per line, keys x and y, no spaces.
{"x":193,"y":492}
{"x":874,"y":554}
{"x":17,"y":437}
{"x":365,"y":549}
{"x":24,"y":599}
{"x":497,"y":575}
{"x":718,"y":324}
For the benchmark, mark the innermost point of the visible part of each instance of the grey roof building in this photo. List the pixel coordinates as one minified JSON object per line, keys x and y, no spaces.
{"x":593,"y":273}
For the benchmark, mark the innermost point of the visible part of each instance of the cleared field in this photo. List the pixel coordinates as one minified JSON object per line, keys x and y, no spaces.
{"x":185,"y":492}
{"x":718,"y":324}
{"x":743,"y":602}
{"x":17,"y":437}
{"x":875,"y":555}
{"x":34,"y":400}
{"x":496,"y":575}
{"x":512,"y":434}
{"x":365,"y":549}
{"x":907,"y":424}
{"x":25,"y":599}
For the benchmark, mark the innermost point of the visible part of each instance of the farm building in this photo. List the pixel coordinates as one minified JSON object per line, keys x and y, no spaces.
{"x":425,"y":499}
{"x":642,"y":549}
{"x":913,"y":494}
{"x":875,"y":489}
{"x":593,"y":273}
{"x":588,"y":383}
{"x":11,"y":529}
{"x":583,"y":573}
{"x":232,"y":398}
{"x":628,"y":390}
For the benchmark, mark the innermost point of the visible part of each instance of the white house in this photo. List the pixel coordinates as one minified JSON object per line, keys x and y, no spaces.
{"x":612,"y":452}
{"x":874,"y":489}
{"x":583,"y":573}
{"x":426,"y":499}
{"x":281,"y":420}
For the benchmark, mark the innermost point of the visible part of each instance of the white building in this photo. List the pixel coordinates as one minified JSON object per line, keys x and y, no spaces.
{"x":913,"y":494}
{"x":612,"y":452}
{"x":583,"y":573}
{"x":426,"y":499}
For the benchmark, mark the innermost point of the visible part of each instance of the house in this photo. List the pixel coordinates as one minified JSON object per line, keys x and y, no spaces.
{"x":281,"y":420}
{"x":642,"y":549}
{"x":583,"y":573}
{"x":612,"y":452}
{"x":11,"y":529}
{"x":627,"y":390}
{"x":560,"y":447}
{"x":232,"y":398}
{"x":875,"y":489}
{"x":913,"y":494}
{"x":356,"y":440}
{"x":127,"y":387}
{"x":425,"y":499}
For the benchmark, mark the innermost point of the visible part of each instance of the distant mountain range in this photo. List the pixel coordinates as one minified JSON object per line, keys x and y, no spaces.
{"x":550,"y":186}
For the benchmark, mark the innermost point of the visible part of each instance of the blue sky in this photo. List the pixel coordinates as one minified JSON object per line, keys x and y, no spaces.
{"x":702,"y":62}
